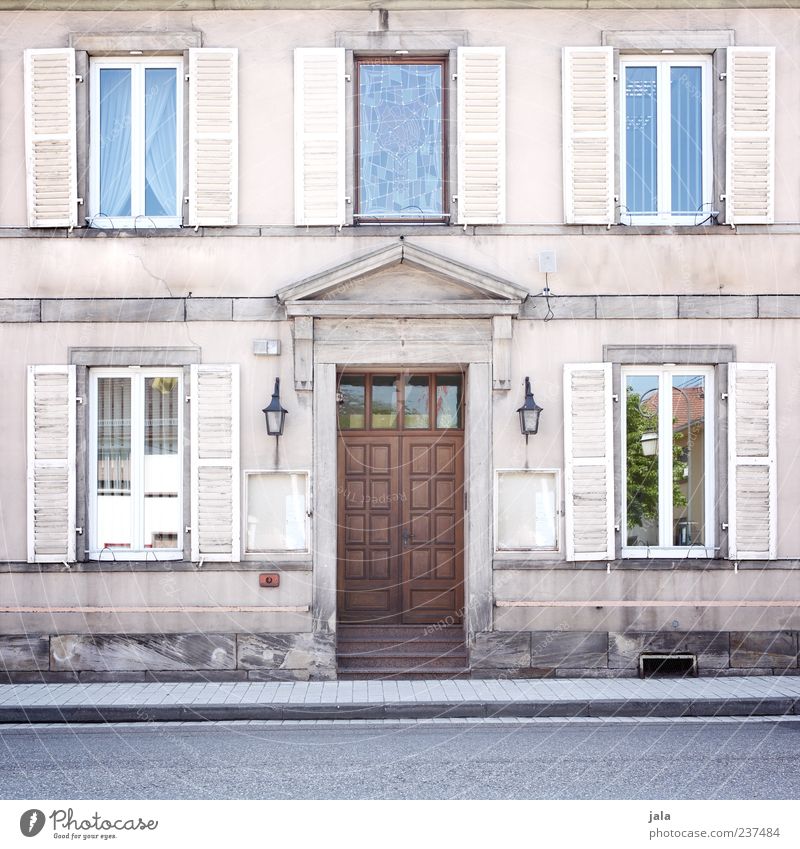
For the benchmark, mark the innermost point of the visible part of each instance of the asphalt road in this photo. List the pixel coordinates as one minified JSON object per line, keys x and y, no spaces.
{"x":641,"y":760}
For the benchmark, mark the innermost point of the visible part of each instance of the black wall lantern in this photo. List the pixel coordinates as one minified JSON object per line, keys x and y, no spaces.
{"x":529,"y":413}
{"x":274,"y":412}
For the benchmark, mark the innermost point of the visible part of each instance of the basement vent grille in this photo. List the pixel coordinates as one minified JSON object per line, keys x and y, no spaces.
{"x":667,"y":665}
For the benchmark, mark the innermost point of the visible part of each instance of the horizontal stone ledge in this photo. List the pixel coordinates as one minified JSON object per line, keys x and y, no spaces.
{"x":535,"y":307}
{"x":367,"y":230}
{"x":639,"y":603}
{"x":156,"y":609}
{"x":91,"y":566}
{"x":655,"y":565}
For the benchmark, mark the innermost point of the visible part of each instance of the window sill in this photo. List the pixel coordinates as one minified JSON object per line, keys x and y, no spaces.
{"x":676,"y":553}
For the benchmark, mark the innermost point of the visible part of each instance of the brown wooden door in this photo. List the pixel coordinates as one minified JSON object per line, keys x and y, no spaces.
{"x":401,"y":503}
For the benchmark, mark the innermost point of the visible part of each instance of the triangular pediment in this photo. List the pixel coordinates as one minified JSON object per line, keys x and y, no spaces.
{"x":406,"y":280}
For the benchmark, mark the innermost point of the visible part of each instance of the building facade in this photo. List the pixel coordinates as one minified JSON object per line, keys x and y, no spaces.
{"x":399,"y":214}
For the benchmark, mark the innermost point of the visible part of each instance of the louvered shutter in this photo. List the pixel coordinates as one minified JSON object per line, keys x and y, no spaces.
{"x":50,"y":159}
{"x":215,"y":462}
{"x":752,"y":492}
{"x":481,"y":107}
{"x":588,"y":125}
{"x":750,"y":142}
{"x":213,"y":136}
{"x":319,"y":136}
{"x":51,"y":464}
{"x":589,"y":461}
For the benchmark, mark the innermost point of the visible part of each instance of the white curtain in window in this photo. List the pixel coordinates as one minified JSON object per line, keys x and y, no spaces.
{"x":160,"y":130}
{"x":115,"y":141}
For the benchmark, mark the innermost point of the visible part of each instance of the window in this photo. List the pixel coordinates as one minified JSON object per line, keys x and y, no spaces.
{"x":666,"y":170}
{"x":136,"y":142}
{"x":526,"y":509}
{"x":277,"y":517}
{"x":668,"y":461}
{"x":136,"y":443}
{"x":400,"y":139}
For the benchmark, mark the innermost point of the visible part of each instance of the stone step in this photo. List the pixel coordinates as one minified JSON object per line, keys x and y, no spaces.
{"x":395,"y":675}
{"x":408,"y":663}
{"x":403,"y":632}
{"x":370,"y":646}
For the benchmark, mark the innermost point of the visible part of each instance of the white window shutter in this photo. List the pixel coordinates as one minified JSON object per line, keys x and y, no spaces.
{"x":215,"y":463}
{"x":319,"y":136}
{"x":481,"y":107}
{"x":752,"y":489}
{"x":50,"y":146}
{"x":588,"y":125}
{"x":213,"y":136}
{"x":750,"y":137}
{"x":589,"y":461}
{"x":51,"y":464}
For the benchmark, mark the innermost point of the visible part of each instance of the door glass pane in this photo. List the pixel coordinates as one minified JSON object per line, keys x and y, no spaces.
{"x":686,"y":92}
{"x":161,"y":462}
{"x":641,"y":146}
{"x":115,"y":141}
{"x":526,"y":510}
{"x":276,"y":512}
{"x":688,"y":459}
{"x":352,"y":397}
{"x":160,"y":141}
{"x":400,"y":140}
{"x":641,"y":423}
{"x":416,"y":412}
{"x":384,"y":402}
{"x":114,"y":506}
{"x":448,"y":401}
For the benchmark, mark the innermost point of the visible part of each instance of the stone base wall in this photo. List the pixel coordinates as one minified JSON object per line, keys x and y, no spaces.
{"x":168,"y":657}
{"x":600,"y":654}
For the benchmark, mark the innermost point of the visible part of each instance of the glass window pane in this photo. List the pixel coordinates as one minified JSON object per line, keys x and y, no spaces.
{"x":641,"y":423}
{"x":641,"y":144}
{"x":688,"y":459}
{"x":352,"y":394}
{"x":400,"y":155}
{"x":276,"y":512}
{"x":162,"y":473}
{"x":526,"y":510}
{"x":448,"y":401}
{"x":384,"y":402}
{"x":160,"y":141}
{"x":114,"y":506}
{"x":686,"y":139}
{"x":115,"y":141}
{"x":416,"y":412}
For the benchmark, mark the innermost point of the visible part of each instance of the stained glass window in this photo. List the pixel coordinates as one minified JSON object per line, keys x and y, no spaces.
{"x":400,"y":161}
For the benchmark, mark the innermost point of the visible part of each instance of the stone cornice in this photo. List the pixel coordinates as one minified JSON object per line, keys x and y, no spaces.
{"x":387,"y":5}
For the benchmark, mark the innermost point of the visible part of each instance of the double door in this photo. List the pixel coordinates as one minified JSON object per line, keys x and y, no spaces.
{"x":401,"y":499}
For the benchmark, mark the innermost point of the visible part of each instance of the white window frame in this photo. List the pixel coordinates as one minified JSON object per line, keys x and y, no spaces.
{"x":664,"y":63}
{"x":137,"y":376}
{"x":503,"y":550}
{"x":665,"y":434}
{"x":138,"y":65}
{"x":285,"y":553}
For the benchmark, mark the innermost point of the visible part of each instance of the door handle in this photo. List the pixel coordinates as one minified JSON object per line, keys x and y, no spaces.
{"x":405,"y":537}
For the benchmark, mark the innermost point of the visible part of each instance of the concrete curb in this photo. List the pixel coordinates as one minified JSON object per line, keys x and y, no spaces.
{"x":401,"y":710}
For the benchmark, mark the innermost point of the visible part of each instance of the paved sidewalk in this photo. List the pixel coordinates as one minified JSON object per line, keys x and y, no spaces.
{"x":198,"y":701}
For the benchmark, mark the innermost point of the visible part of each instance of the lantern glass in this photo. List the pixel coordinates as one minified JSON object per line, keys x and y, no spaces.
{"x":529,"y":420}
{"x":275,"y":419}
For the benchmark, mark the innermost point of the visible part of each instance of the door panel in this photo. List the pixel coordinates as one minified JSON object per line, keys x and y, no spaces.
{"x":432,"y":578}
{"x":369,"y":529}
